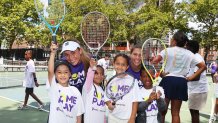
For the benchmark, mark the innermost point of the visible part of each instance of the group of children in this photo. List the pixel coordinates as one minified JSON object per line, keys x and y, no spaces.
{"x":68,"y":105}
{"x":143,"y":104}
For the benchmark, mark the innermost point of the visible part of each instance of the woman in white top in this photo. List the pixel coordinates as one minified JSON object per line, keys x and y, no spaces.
{"x":66,"y":104}
{"x":93,"y":95}
{"x":177,"y":65}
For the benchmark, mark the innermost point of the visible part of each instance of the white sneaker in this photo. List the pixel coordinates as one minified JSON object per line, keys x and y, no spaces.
{"x":41,"y":107}
{"x":22,"y":107}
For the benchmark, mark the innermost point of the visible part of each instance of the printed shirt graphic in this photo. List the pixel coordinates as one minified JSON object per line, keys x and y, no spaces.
{"x":66,"y":103}
{"x":124,"y":105}
{"x":78,"y":75}
{"x":94,"y":105}
{"x":201,"y":85}
{"x":152,"y":110}
{"x":179,"y":61}
{"x":28,"y":78}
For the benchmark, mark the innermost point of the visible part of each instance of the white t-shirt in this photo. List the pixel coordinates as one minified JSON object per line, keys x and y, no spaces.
{"x":201,"y":85}
{"x":94,"y":105}
{"x":179,"y":61}
{"x":28,"y":78}
{"x":102,"y":62}
{"x":66,"y":103}
{"x":123,"y":107}
{"x":152,"y":110}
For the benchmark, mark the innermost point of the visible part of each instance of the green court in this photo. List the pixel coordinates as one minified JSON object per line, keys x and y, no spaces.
{"x":11,"y":97}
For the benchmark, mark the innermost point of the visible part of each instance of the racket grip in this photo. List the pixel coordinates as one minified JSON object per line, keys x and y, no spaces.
{"x":154,"y":88}
{"x":54,"y":39}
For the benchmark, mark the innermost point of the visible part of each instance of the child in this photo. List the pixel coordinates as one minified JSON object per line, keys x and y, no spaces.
{"x":66,"y":101}
{"x":153,"y":103}
{"x":178,"y":63}
{"x":30,"y":81}
{"x":126,"y":108}
{"x":197,"y":89}
{"x":93,"y":95}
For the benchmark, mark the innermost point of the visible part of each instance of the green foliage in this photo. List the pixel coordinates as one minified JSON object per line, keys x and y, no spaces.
{"x":19,"y":20}
{"x":205,"y":13}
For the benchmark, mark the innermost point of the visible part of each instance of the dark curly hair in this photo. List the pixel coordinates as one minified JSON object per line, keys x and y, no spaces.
{"x":180,"y":38}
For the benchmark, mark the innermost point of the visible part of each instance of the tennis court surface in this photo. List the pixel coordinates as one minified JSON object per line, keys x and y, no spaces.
{"x":12,"y":95}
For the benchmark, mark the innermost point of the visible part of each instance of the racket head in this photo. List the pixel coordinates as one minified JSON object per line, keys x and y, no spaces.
{"x":51,"y":12}
{"x":150,"y":49}
{"x":119,"y":85}
{"x":95,"y":30}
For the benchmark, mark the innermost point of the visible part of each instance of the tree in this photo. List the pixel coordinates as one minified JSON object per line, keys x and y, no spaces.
{"x":155,"y":20}
{"x":204,"y":13}
{"x":16,"y":18}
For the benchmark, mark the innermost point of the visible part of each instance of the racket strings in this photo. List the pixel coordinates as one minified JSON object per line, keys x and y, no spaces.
{"x":150,"y":49}
{"x":95,"y":29}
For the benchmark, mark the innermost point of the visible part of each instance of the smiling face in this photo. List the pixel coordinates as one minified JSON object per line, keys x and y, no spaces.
{"x":63,"y":74}
{"x":99,"y":75}
{"x":120,"y":64}
{"x":146,"y":80}
{"x":135,"y":57}
{"x":73,"y":57}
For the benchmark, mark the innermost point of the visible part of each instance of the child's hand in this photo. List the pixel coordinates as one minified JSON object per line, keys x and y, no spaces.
{"x":153,"y":96}
{"x":53,"y":47}
{"x":92,"y":63}
{"x":159,"y":94}
{"x":111,"y":106}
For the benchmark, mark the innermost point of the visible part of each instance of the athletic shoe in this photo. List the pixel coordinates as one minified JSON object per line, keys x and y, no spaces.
{"x":22,"y":107}
{"x":41,"y":107}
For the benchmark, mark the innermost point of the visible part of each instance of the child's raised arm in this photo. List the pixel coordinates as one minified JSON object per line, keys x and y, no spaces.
{"x":90,"y":76}
{"x":53,"y":48}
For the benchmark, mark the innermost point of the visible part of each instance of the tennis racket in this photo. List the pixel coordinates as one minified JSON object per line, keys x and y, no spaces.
{"x":118,"y":86}
{"x":150,"y":49}
{"x":95,"y":30}
{"x":52,"y":13}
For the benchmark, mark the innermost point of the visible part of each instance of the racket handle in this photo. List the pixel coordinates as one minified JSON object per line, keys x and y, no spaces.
{"x":95,"y":58}
{"x":54,"y":39}
{"x":154,"y":88}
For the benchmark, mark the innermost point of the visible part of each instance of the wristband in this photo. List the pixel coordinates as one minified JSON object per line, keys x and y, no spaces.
{"x":35,"y":79}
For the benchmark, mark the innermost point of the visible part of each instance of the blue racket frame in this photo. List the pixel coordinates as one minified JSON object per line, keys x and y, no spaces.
{"x":50,"y":27}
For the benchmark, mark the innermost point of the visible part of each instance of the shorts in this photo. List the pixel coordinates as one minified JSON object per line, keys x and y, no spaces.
{"x":197,"y":101}
{"x":175,"y":88}
{"x":29,"y":90}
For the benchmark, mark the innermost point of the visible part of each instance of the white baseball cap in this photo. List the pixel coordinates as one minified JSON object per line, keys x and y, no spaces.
{"x":70,"y":45}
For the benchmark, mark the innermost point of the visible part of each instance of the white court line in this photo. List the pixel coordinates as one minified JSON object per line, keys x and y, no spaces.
{"x":22,"y":103}
{"x":34,"y":99}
